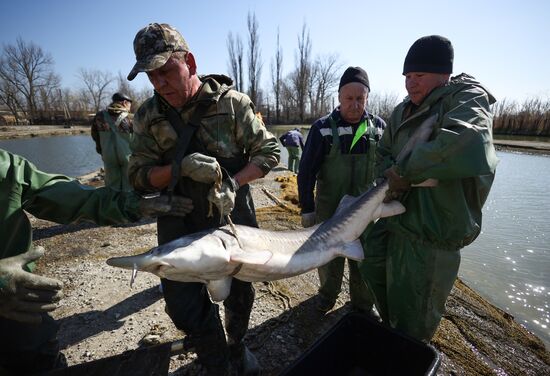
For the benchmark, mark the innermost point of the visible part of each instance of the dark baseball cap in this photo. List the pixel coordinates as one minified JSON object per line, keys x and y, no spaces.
{"x":119,"y":97}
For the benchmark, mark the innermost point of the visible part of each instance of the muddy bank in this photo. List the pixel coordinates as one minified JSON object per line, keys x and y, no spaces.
{"x":535,"y":147}
{"x":102,"y":316}
{"x":30,"y":131}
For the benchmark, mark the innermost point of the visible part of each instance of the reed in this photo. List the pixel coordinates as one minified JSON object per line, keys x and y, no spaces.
{"x":529,"y":118}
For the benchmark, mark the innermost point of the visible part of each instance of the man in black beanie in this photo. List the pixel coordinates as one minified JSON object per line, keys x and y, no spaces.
{"x":412,"y":259}
{"x":338,"y":160}
{"x":428,"y":64}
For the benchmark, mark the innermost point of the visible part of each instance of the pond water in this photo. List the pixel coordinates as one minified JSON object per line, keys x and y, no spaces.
{"x":67,"y":155}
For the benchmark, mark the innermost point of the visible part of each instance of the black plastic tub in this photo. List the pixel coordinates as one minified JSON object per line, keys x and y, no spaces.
{"x":357,"y":345}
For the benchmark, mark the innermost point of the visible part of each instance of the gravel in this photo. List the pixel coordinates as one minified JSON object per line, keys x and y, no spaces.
{"x":102,"y":316}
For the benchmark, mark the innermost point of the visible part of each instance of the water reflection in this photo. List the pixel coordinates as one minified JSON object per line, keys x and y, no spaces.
{"x":510,"y":261}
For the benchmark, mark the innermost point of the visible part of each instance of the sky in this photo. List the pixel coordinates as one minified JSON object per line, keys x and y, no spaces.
{"x":504,"y":44}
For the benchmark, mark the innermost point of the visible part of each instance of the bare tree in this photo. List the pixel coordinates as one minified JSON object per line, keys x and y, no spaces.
{"x":254,"y":58}
{"x":313,"y":77}
{"x":303,"y":71}
{"x":123,"y":86}
{"x":235,"y":64}
{"x":382,"y":104}
{"x":144,"y":94}
{"x":11,"y":98}
{"x":289,"y":102}
{"x":96,"y":83}
{"x":326,"y":78}
{"x":28,"y":69}
{"x":277,"y":77}
{"x":46,"y":102}
{"x":240,"y":56}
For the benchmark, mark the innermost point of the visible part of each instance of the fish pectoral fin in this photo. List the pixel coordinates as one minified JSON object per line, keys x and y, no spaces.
{"x":428,"y":183}
{"x":255,"y":258}
{"x":391,"y":208}
{"x":219,"y":288}
{"x":353,"y":250}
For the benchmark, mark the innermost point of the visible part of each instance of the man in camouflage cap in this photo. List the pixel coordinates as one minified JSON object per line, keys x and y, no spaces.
{"x":183,"y":134}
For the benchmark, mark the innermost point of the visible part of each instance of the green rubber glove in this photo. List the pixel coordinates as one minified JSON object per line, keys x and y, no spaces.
{"x":23,"y":295}
{"x":201,"y":168}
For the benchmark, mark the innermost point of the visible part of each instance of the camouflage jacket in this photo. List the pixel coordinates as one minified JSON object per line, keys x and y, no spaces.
{"x":99,"y":123}
{"x":228,"y":129}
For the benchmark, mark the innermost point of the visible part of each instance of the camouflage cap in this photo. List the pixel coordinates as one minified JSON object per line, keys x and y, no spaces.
{"x":154,"y":45}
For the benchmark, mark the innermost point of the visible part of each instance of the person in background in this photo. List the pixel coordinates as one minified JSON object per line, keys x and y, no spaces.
{"x":191,"y":130}
{"x":112,"y":132}
{"x":293,"y":141}
{"x":29,"y":334}
{"x":338,"y":160}
{"x":411,"y":260}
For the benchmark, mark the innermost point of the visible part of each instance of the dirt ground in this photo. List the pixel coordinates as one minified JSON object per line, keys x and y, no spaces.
{"x":101,"y":315}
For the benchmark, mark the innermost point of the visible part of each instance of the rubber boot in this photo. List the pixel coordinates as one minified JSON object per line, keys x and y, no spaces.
{"x":243,"y":362}
{"x":212,"y":351}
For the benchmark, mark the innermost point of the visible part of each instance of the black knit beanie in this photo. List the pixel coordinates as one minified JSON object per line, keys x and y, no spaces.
{"x":354,"y":74}
{"x":431,"y":54}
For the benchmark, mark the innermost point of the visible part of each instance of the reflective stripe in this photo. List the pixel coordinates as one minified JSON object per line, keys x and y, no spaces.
{"x":361,"y":130}
{"x":341,"y":131}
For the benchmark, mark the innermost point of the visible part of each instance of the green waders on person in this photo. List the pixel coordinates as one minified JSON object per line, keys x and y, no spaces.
{"x":115,"y":152}
{"x":340,"y":175}
{"x":188,"y":304}
{"x":400,"y":270}
{"x":293,"y":158}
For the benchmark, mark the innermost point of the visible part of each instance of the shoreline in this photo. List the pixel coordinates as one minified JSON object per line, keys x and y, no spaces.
{"x":32,"y":131}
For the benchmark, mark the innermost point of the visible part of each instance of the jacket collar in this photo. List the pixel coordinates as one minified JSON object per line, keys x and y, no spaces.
{"x":213,"y":87}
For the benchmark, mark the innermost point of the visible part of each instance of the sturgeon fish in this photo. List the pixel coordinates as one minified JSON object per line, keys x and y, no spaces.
{"x":217,"y":255}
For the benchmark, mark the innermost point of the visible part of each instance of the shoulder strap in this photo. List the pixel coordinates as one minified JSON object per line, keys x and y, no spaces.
{"x":185,"y":133}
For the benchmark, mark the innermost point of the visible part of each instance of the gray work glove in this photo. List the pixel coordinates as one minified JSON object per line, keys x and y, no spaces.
{"x":201,"y":168}
{"x":159,"y":205}
{"x":224,"y":197}
{"x":23,"y":295}
{"x":308,"y":219}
